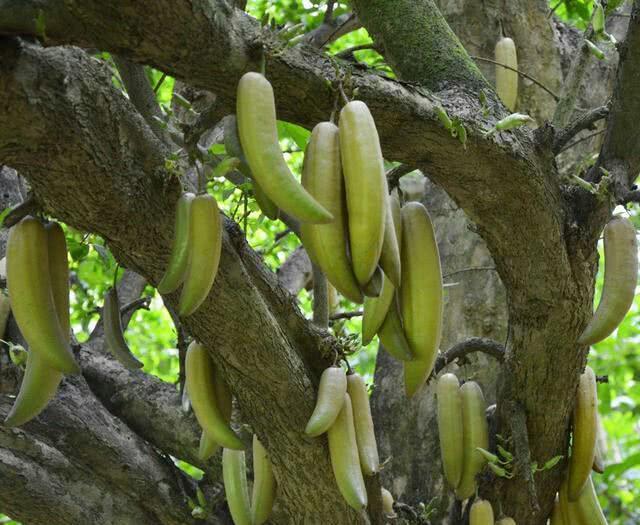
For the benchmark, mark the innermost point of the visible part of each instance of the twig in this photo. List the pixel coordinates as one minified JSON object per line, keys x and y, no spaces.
{"x":584,"y":121}
{"x":470,"y":269}
{"x":328,"y":14}
{"x":567,"y":102}
{"x":582,"y":139}
{"x":328,"y":32}
{"x":553,"y":9}
{"x":522,"y":464}
{"x":521,"y":73}
{"x":469,"y":346}
{"x":20,"y":211}
{"x":159,"y":83}
{"x":320,"y":298}
{"x":602,"y":379}
{"x":141,"y":303}
{"x":281,"y":235}
{"x":394,"y":174}
{"x":346,"y":315}
{"x":346,"y":53}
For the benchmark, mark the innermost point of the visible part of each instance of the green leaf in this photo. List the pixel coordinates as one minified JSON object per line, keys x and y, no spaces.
{"x":298,"y":134}
{"x":77,"y":250}
{"x":3,"y":214}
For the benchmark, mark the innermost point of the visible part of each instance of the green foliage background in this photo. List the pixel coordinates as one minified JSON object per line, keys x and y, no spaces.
{"x":152,"y":337}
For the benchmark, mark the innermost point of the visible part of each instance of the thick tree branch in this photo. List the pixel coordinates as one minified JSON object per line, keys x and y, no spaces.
{"x":469,"y":346}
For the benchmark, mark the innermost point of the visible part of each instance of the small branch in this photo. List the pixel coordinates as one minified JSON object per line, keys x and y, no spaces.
{"x":348,"y":53}
{"x":470,"y":269}
{"x":328,"y":32}
{"x":20,"y":211}
{"x":521,"y":73}
{"x":328,"y":14}
{"x":522,"y":464}
{"x":584,"y":121}
{"x":567,"y":103}
{"x":469,"y":346}
{"x":581,"y":139}
{"x":139,"y":304}
{"x":346,"y":315}
{"x":394,"y":174}
{"x":320,"y":298}
{"x":602,"y":379}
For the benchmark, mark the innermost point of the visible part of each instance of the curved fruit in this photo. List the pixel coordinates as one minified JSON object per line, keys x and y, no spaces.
{"x":224,"y":400}
{"x":233,"y":147}
{"x":264,"y":484}
{"x":387,"y":502}
{"x":207,"y":448}
{"x":344,"y":458}
{"x":481,"y":513}
{"x":113,"y":332}
{"x":585,"y":430}
{"x":506,"y":521}
{"x":333,"y":386}
{"x":322,"y":178}
{"x":392,"y":335}
{"x":599,"y":459}
{"x":450,"y":428}
{"x":556,"y":514}
{"x":507,"y":80}
{"x":256,"y":115}
{"x":620,"y":278}
{"x":374,"y":287}
{"x":39,"y":386}
{"x":587,"y":507}
{"x":375,"y":310}
{"x":390,"y":254}
{"x":179,"y":260}
{"x":363,"y":423}
{"x":568,"y":509}
{"x":420,"y":294}
{"x":5,"y":310}
{"x":59,"y":274}
{"x":396,"y":214}
{"x":475,"y":433}
{"x":40,"y":382}
{"x":366,"y":187}
{"x":32,"y":302}
{"x":200,"y":373}
{"x":206,"y":245}
{"x":234,"y":475}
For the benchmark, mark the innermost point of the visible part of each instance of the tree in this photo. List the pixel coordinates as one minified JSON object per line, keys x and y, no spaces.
{"x":103,"y":164}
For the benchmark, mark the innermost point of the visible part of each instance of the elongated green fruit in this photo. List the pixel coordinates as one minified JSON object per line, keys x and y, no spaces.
{"x":588,"y":507}
{"x":59,"y":275}
{"x":506,"y":521}
{"x":233,"y":147}
{"x":114,"y":334}
{"x":396,"y":214}
{"x":556,"y":514}
{"x":366,"y":187}
{"x":374,"y":287}
{"x":32,"y":303}
{"x":585,"y":430}
{"x":599,"y":458}
{"x":40,"y":382}
{"x":568,"y":509}
{"x":420,"y":294}
{"x":344,"y":458}
{"x":322,"y":178}
{"x":333,"y":386}
{"x":224,"y":400}
{"x":387,"y":502}
{"x":208,"y":447}
{"x":256,"y":113}
{"x":475,"y":433}
{"x":206,"y":245}
{"x":390,"y":254}
{"x":200,"y":374}
{"x":450,"y":428}
{"x":481,"y":513}
{"x":5,"y":310}
{"x":264,"y":484}
{"x":392,"y":335}
{"x":363,"y":422}
{"x":234,"y":475}
{"x":620,"y":277}
{"x":375,"y":310}
{"x":506,"y":79}
{"x":39,"y":386}
{"x":179,"y":260}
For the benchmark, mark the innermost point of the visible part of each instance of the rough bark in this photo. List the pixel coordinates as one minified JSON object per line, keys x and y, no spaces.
{"x":543,"y":252}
